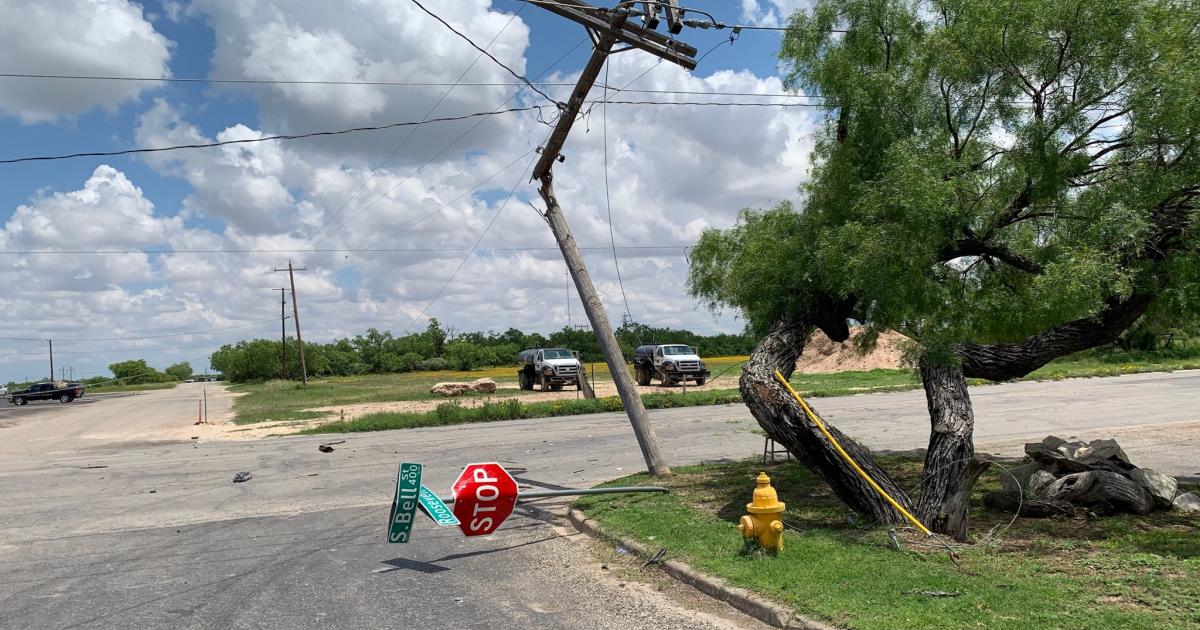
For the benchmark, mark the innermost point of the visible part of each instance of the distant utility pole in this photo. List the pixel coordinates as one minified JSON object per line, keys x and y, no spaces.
{"x":296,"y":315}
{"x":283,"y":371}
{"x":51,"y":342}
{"x":606,"y":29}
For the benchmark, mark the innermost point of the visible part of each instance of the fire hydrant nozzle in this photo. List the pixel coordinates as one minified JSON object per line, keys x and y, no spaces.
{"x":763,"y":523}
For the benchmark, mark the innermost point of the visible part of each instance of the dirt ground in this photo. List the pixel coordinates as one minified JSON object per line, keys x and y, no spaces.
{"x":822,"y":355}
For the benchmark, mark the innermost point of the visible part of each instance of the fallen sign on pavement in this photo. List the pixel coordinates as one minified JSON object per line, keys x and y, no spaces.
{"x":435,"y":508}
{"x":404,"y":505}
{"x":484,"y":496}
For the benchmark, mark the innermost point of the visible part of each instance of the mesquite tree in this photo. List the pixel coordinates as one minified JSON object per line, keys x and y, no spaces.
{"x":1004,"y":183}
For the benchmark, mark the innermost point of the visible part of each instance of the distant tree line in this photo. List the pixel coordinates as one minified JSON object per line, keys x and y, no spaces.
{"x":439,"y":348}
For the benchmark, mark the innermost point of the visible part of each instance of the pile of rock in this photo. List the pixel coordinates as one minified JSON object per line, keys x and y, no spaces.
{"x":1058,"y":476}
{"x":480,"y":385}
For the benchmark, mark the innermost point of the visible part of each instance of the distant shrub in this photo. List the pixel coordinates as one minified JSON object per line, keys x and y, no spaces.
{"x":433,"y":365}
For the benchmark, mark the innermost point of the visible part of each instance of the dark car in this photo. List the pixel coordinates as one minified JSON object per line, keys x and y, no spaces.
{"x":61,"y":391}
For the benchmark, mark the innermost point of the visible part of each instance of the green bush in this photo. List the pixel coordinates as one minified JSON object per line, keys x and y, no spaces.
{"x":433,"y":365}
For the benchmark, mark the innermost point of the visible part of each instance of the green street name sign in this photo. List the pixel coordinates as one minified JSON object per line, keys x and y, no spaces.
{"x":404,"y":506}
{"x":436,"y":509}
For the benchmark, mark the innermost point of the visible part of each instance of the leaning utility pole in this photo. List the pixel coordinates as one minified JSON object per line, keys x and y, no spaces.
{"x":283,"y":371}
{"x":296,"y":316}
{"x":606,"y":29}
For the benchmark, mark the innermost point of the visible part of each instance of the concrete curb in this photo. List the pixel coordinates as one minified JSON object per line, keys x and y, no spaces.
{"x":741,"y":599}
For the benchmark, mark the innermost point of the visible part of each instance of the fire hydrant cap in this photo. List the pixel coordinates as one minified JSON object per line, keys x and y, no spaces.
{"x":765,"y":500}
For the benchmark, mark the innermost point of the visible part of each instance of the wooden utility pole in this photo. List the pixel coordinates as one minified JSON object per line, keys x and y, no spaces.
{"x":606,"y":28}
{"x":51,"y":342}
{"x":283,"y":371}
{"x":296,"y":316}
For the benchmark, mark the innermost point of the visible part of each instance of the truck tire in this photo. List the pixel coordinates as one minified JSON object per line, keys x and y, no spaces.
{"x":19,"y":401}
{"x":526,"y":383}
{"x":643,"y":376}
{"x":556,"y":387}
{"x":700,"y":381}
{"x":65,"y":398}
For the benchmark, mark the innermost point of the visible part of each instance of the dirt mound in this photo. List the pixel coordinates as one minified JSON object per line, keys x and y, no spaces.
{"x":823,"y":355}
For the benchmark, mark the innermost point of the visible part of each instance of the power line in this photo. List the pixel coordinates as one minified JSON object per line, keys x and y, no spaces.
{"x":470,"y":253}
{"x":336,"y":250}
{"x":437,"y":210}
{"x":314,"y":134}
{"x":387,"y":83}
{"x":446,"y":147}
{"x":612,"y":240}
{"x":489,"y":55}
{"x":411,"y":132}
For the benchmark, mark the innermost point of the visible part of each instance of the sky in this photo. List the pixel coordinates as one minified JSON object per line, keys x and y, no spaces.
{"x":166,"y":256}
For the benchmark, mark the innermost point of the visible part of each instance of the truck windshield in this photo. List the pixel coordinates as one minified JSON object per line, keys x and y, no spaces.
{"x":557,"y":354}
{"x":675,"y":350}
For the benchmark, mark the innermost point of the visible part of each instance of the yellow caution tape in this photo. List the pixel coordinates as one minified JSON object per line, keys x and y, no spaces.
{"x":846,"y":456}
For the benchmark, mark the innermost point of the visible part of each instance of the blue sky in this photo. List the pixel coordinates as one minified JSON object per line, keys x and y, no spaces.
{"x":276,"y":196}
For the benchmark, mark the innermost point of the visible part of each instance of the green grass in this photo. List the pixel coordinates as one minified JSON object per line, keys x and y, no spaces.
{"x":1115,"y":572}
{"x":127,"y":388}
{"x":286,"y":400}
{"x":514,"y":409}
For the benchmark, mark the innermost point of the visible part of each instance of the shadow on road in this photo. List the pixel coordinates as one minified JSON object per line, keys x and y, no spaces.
{"x":432,"y":566}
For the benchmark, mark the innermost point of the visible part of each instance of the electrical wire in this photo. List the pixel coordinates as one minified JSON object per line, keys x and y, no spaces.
{"x":388,"y":83}
{"x":447,"y":147}
{"x":488,"y":54}
{"x":411,"y":131}
{"x":438,"y":210}
{"x":342,"y":250}
{"x":207,"y":145}
{"x":474,"y":246}
{"x":608,"y":197}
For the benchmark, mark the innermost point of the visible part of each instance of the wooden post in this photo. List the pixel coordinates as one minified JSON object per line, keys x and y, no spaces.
{"x":605,"y":33}
{"x":296,"y":316}
{"x":283,"y":371}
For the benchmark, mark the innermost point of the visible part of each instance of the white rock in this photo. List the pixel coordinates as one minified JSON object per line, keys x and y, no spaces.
{"x":1039,"y":480}
{"x":1161,"y":487}
{"x":450,"y":389}
{"x":1188,"y":503}
{"x":484,"y":385}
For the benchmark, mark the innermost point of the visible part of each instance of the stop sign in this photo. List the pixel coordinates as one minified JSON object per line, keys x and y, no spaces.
{"x":484,"y":495}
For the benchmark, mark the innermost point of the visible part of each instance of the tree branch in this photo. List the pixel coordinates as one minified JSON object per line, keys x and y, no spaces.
{"x":1005,"y":361}
{"x":974,"y":246}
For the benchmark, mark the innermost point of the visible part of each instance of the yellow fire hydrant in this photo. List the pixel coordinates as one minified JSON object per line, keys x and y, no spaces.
{"x":763,"y":521}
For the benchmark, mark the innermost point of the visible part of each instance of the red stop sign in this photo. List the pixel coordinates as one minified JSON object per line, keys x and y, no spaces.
{"x":484,"y":495}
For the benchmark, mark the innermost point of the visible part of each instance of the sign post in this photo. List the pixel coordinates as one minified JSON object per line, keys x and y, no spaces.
{"x":404,"y":505}
{"x":484,"y":495}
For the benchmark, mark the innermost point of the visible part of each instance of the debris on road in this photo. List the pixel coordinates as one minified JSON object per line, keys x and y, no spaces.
{"x":656,"y":558}
{"x":242,"y":476}
{"x":933,"y":593}
{"x":328,"y":446}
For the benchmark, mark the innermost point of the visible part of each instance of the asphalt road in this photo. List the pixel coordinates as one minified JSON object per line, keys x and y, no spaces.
{"x":100,"y":531}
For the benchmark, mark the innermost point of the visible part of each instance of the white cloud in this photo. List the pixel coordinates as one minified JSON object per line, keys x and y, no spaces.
{"x":673,"y":171}
{"x":77,"y":37}
{"x":379,"y":40}
{"x":771,"y":12}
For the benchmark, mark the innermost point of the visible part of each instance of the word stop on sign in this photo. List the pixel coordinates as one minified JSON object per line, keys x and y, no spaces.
{"x":484,"y":496}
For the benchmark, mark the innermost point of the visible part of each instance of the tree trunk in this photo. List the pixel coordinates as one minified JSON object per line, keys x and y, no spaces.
{"x":950,"y":467}
{"x":784,"y":421}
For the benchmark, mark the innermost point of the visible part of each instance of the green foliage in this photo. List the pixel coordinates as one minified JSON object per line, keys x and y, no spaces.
{"x":464,"y":356}
{"x":380,"y":352}
{"x":179,"y":371}
{"x":136,"y":372}
{"x":984,"y":171}
{"x":434,"y":364}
